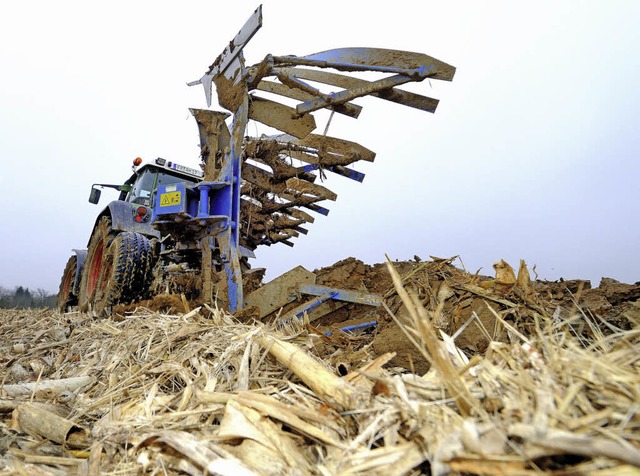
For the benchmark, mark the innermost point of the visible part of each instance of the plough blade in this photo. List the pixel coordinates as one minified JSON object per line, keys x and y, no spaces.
{"x":214,"y":138}
{"x":325,"y":150}
{"x":307,"y":188}
{"x":280,"y":117}
{"x":280,"y":291}
{"x":273,"y":198}
{"x":349,"y":94}
{"x":302,"y":215}
{"x":347,"y":109}
{"x":375,"y":59}
{"x":230,"y":54}
{"x":331,"y":148}
{"x":338,"y":170}
{"x":396,"y":95}
{"x":293,"y":186}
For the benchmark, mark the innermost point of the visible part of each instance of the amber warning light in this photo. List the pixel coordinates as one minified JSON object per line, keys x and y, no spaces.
{"x":137,"y":161}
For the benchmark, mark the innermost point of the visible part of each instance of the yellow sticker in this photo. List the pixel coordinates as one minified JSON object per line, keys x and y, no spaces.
{"x":170,"y":199}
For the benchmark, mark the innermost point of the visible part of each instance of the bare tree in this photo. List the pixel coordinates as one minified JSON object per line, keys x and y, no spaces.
{"x":5,"y":297}
{"x":39,"y":297}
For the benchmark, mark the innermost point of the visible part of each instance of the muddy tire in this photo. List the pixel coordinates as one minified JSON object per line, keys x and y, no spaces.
{"x":144,"y":264}
{"x":66,"y":297}
{"x":124,"y":276}
{"x":98,"y":244}
{"x":115,"y":274}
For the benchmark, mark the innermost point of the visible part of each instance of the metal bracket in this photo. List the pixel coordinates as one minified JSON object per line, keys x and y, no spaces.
{"x":230,"y":53}
{"x":314,"y":308}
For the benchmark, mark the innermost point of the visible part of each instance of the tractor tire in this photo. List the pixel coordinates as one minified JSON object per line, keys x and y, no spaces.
{"x":116,"y":273}
{"x":100,"y":240}
{"x":144,"y":264}
{"x":124,"y":276}
{"x":66,"y":297}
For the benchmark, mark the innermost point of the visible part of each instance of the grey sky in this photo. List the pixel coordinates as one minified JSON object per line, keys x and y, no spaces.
{"x":532,"y":153}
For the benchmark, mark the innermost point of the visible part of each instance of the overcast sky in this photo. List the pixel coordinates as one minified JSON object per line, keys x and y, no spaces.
{"x":532,"y":153}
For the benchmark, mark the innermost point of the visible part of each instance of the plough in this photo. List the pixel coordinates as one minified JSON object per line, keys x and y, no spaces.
{"x":268,"y":185}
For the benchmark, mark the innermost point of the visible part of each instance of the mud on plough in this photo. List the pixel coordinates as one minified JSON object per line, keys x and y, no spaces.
{"x":260,"y":191}
{"x":177,"y":230}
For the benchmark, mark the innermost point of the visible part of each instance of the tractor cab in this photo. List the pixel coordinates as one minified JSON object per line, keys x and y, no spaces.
{"x":145,"y":180}
{"x":149,"y":177}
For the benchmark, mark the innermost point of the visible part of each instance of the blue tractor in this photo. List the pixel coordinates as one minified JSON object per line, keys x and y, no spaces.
{"x":123,"y":247}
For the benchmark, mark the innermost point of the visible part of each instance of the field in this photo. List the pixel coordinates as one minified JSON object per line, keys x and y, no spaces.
{"x":463,"y":374}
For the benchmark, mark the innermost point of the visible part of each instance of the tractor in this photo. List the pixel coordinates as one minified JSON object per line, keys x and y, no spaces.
{"x":124,"y":246}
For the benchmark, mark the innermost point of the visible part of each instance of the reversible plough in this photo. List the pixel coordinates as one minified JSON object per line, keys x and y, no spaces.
{"x":260,"y":190}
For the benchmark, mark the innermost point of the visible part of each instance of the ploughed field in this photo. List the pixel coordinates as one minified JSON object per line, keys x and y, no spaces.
{"x":462,"y":374}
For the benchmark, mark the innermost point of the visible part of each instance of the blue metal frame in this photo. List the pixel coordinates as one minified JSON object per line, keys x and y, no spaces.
{"x":214,"y":209}
{"x":344,"y":171}
{"x":354,"y":327}
{"x":324,"y":294}
{"x":229,"y":239}
{"x":341,"y":294}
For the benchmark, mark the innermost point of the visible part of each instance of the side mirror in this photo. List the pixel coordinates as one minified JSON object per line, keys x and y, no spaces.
{"x":94,"y":196}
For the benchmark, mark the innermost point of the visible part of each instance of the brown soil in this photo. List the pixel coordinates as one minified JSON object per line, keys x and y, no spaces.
{"x":452,"y":297}
{"x":470,"y":307}
{"x":172,"y":391}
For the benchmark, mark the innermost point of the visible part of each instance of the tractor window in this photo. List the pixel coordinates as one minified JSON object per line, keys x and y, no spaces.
{"x":165,"y":179}
{"x":143,"y":188}
{"x":148,"y":181}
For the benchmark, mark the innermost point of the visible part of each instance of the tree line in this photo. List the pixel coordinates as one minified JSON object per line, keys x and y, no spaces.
{"x":23,"y":298}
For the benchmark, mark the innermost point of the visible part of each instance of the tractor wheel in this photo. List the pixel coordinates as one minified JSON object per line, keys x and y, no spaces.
{"x":124,"y":275}
{"x":115,"y":274}
{"x":144,"y":263}
{"x":98,"y":244}
{"x":66,"y":297}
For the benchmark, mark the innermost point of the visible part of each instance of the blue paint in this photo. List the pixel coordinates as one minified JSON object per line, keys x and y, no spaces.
{"x":316,"y":302}
{"x":344,"y":171}
{"x":362,"y":325}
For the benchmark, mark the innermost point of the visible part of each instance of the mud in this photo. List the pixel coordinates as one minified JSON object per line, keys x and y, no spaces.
{"x":472,"y":308}
{"x":614,"y":302}
{"x":455,"y":299}
{"x":230,"y":95}
{"x":163,"y":303}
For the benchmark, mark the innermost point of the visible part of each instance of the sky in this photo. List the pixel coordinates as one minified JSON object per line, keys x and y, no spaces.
{"x":532,"y":153}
